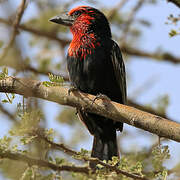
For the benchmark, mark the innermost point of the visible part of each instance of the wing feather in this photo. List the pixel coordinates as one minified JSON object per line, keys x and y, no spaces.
{"x":119,"y":70}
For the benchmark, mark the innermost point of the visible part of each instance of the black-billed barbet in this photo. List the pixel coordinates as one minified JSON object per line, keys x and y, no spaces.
{"x":95,"y":66}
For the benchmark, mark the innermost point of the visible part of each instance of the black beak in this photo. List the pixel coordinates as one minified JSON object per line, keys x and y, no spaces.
{"x":67,"y":21}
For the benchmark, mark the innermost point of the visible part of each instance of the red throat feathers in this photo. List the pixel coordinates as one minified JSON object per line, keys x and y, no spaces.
{"x":83,"y":42}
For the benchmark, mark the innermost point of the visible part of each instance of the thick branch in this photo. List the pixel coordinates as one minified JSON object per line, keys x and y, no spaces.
{"x":118,"y":112}
{"x":147,"y":109}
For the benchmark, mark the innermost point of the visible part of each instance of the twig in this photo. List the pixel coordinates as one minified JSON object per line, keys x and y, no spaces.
{"x":111,"y":110}
{"x":114,"y":168}
{"x":37,"y":71}
{"x":81,"y":169}
{"x":37,"y":32}
{"x":113,"y":11}
{"x":15,"y":29}
{"x":159,"y":56}
{"x":8,"y":114}
{"x":130,"y":19}
{"x":68,"y":151}
{"x":42,"y":163}
{"x":61,"y":147}
{"x":125,"y":49}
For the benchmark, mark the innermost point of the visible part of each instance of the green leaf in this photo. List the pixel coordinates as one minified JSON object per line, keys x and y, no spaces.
{"x":55,"y":78}
{"x":4,"y":73}
{"x":173,"y":33}
{"x":5,"y":101}
{"x":54,"y":81}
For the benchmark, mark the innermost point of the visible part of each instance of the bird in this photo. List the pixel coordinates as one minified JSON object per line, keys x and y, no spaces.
{"x":95,"y":66}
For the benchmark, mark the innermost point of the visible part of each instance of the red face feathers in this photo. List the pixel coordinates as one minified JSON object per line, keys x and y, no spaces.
{"x":89,"y":27}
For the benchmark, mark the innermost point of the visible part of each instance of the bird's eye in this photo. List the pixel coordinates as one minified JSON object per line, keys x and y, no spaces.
{"x":77,"y":13}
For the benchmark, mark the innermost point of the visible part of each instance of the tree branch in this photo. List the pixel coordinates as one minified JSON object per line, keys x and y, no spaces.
{"x":81,"y":169}
{"x":165,"y":56}
{"x":42,"y":163}
{"x":15,"y":28}
{"x":159,"y":56}
{"x":37,"y":32}
{"x":40,"y":133}
{"x":8,"y":114}
{"x":116,"y":8}
{"x":112,"y":110}
{"x":147,"y":109}
{"x":130,"y":20}
{"x":68,"y":151}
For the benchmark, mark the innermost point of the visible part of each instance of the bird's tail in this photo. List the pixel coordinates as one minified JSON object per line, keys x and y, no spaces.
{"x":104,"y":132}
{"x":104,"y":146}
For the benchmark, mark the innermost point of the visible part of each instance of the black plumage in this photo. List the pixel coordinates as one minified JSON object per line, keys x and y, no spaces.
{"x":95,"y":66}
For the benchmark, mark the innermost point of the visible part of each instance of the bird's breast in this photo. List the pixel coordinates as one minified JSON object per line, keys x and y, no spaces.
{"x":82,"y":45}
{"x":89,"y":73}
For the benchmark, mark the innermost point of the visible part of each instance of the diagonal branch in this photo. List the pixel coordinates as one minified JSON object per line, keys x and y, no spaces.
{"x":116,"y":8}
{"x":130,"y":19}
{"x":147,"y":109}
{"x":15,"y":28}
{"x":8,"y":114}
{"x":112,"y":110}
{"x":40,"y":133}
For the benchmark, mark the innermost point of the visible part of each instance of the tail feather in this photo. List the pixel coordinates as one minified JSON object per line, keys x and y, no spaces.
{"x":104,"y":147}
{"x":104,"y":132}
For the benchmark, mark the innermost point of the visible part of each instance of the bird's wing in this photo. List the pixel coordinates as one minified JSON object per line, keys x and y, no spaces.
{"x":119,"y":70}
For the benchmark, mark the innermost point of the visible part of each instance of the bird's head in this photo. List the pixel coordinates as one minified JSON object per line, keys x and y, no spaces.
{"x":85,"y":19}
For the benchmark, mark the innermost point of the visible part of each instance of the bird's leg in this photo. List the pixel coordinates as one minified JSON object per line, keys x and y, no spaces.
{"x":101,"y":96}
{"x":71,"y":89}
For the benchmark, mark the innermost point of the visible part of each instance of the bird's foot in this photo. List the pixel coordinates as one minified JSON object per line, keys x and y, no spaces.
{"x":102,"y":97}
{"x":71,"y":90}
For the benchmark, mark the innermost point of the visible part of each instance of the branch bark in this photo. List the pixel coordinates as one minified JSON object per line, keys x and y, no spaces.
{"x":118,"y":112}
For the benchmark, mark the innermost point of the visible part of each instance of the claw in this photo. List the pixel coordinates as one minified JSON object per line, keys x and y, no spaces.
{"x":101,"y":96}
{"x":71,"y":90}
